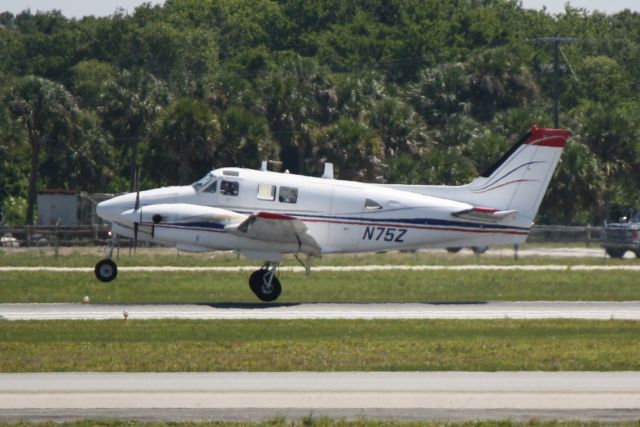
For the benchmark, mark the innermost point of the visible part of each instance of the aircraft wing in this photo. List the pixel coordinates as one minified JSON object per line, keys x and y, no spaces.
{"x":276,"y":228}
{"x":485,"y":214}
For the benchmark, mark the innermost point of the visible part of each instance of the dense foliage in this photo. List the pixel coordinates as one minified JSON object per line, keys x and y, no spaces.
{"x":403,"y":91}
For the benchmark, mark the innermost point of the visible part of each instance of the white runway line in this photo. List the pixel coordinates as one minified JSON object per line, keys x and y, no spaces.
{"x":593,"y":310}
{"x":319,"y":269}
{"x":392,"y":390}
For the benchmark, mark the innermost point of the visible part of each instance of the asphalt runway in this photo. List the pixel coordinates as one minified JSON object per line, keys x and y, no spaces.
{"x":596,"y":310}
{"x":605,"y":396}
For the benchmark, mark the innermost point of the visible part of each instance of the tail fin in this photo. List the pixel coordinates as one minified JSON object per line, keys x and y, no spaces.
{"x":519,"y":180}
{"x":515,"y":183}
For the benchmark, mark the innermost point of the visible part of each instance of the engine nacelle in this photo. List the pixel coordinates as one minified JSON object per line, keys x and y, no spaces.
{"x":188,"y":213}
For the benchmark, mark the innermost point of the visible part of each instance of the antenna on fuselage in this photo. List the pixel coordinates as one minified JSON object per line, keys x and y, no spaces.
{"x":328,"y":171}
{"x":276,"y":166}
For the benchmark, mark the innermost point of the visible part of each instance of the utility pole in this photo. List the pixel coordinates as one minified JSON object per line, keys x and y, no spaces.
{"x":556,"y":72}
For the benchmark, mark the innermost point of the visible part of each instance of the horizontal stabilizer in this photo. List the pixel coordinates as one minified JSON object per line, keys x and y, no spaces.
{"x":485,"y":214}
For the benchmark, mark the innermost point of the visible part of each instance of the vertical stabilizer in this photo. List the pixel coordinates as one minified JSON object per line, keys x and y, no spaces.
{"x":517,"y":182}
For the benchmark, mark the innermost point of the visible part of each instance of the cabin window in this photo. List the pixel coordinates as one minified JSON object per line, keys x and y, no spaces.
{"x":229,"y":188}
{"x":288,"y":195}
{"x":204,"y":181}
{"x":211,"y":188}
{"x":266,"y":192}
{"x":372,"y":204}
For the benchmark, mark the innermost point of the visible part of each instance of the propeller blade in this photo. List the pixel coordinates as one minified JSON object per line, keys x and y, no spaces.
{"x":137,"y":207}
{"x":137,"y":185}
{"x":135,"y":236}
{"x":155,"y":219}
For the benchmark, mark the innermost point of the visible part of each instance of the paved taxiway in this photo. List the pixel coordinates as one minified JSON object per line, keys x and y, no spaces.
{"x":252,"y":396}
{"x":602,"y":310}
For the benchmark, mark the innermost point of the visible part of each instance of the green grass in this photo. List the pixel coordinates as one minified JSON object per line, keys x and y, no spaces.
{"x":381,"y":286}
{"x":87,"y":257}
{"x":319,"y":345}
{"x":389,"y":286}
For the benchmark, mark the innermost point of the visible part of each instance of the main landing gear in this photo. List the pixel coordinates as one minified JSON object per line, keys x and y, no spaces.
{"x":264,"y":283}
{"x":106,"y":270}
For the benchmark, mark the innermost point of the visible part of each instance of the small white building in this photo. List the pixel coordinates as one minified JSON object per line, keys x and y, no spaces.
{"x":65,"y":207}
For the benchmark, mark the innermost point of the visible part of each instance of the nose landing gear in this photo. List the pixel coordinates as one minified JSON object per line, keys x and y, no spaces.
{"x":106,"y":270}
{"x":264,"y":283}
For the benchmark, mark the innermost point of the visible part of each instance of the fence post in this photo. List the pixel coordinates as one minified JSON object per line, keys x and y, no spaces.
{"x":588,"y":235}
{"x":56,"y":239}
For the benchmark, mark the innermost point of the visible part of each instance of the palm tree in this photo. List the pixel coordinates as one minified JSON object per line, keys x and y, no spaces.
{"x":184,"y":136}
{"x":128,"y":105}
{"x":355,"y":149}
{"x":245,"y":139}
{"x":496,"y":80}
{"x":47,"y":111}
{"x":296,"y":96}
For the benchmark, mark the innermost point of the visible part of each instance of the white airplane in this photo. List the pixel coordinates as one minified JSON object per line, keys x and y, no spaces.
{"x":264,"y":215}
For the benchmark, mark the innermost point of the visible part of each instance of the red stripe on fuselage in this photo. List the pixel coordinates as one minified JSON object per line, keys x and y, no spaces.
{"x":272,"y":215}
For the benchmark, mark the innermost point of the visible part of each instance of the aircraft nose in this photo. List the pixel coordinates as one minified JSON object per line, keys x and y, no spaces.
{"x":107,"y":209}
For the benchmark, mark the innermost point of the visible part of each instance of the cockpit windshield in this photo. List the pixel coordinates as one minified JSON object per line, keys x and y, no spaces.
{"x":204,"y":181}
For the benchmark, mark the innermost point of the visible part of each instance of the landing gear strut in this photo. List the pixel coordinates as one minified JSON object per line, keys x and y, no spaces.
{"x":106,"y":270}
{"x":264,"y":283}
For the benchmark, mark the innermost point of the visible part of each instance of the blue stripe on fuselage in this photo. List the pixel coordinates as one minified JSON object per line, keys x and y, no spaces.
{"x":406,"y":222}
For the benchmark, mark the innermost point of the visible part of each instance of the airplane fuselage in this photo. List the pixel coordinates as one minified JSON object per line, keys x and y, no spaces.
{"x":342,"y":216}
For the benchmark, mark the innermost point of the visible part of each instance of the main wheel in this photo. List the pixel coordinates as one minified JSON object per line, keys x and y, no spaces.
{"x":258,"y":282}
{"x":106,"y":270}
{"x":615,"y":252}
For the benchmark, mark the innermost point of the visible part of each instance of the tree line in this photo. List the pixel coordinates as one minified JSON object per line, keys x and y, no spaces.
{"x":401,"y":91}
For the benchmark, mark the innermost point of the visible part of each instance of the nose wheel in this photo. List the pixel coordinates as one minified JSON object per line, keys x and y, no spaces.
{"x":106,"y":270}
{"x":265,"y":284}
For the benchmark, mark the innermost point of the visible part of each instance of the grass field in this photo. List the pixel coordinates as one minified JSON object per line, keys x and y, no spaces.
{"x":386,"y":286}
{"x":87,"y":257}
{"x":319,"y":345}
{"x":381,"y":286}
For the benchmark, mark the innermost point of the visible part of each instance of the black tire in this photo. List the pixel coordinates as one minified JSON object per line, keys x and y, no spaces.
{"x":615,"y":252}
{"x":454,"y":250}
{"x":257,"y":283}
{"x":106,"y":270}
{"x":255,"y":280}
{"x":479,"y":249}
